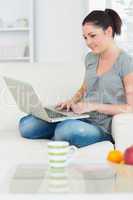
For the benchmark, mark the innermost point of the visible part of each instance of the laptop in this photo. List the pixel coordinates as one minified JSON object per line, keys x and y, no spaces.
{"x":28,"y":101}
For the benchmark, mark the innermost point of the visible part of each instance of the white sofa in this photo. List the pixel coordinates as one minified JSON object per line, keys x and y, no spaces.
{"x":53,"y":82}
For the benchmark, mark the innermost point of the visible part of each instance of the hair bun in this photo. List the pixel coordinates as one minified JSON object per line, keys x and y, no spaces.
{"x":116,"y":20}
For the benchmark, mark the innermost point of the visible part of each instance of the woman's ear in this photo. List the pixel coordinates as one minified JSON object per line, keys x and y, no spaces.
{"x":109,"y":31}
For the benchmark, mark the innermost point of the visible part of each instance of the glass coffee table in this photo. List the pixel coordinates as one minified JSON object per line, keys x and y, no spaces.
{"x":77,"y":178}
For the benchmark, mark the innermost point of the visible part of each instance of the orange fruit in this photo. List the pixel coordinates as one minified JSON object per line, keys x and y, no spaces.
{"x":122,"y":162}
{"x":115,"y":156}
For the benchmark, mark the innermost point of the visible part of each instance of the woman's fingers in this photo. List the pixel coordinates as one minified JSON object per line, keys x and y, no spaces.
{"x":60,"y":106}
{"x":65,"y":105}
{"x":68,"y":107}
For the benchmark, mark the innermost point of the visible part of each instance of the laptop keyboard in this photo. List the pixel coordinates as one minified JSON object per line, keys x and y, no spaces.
{"x":53,"y":114}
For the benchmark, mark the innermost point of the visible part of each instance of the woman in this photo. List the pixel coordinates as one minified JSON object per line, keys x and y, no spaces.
{"x":107,"y":88}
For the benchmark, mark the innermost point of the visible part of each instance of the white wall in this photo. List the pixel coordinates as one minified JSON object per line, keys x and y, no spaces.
{"x":59,"y":30}
{"x":11,"y":10}
{"x":96,"y":5}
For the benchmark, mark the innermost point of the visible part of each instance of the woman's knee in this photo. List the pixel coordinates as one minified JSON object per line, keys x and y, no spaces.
{"x":34,"y":128}
{"x":70,"y":128}
{"x":77,"y":132}
{"x":62,"y":130}
{"x":26,"y":126}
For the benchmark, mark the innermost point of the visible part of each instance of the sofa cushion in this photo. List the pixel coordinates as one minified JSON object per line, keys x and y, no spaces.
{"x":13,"y":147}
{"x":94,"y":153}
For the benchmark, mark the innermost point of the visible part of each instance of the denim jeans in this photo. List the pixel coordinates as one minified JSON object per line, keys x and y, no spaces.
{"x":77,"y":132}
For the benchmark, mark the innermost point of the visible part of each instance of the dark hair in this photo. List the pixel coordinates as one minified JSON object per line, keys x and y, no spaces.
{"x":104,"y":19}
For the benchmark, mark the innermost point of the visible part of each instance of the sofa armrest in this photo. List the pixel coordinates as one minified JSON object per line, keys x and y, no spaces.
{"x":122,"y":126}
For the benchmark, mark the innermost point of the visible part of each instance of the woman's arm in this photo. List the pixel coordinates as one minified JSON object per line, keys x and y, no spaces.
{"x":80,"y":93}
{"x":74,"y":100}
{"x":109,"y":109}
{"x":123,"y":108}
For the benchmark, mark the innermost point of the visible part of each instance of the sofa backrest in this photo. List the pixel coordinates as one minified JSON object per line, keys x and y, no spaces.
{"x":53,"y":82}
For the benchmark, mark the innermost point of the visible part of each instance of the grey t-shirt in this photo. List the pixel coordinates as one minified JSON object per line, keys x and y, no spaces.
{"x":107,"y":88}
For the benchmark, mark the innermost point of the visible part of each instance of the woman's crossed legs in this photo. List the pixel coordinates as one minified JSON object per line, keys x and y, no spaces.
{"x":76,"y":132}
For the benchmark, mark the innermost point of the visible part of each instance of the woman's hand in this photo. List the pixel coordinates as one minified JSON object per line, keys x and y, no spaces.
{"x":65,"y":105}
{"x":83,"y":107}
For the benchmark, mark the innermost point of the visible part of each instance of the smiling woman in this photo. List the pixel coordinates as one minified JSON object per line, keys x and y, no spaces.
{"x":107,"y":88}
{"x":99,"y":27}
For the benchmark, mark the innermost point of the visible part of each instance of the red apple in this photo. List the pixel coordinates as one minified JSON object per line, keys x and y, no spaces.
{"x":128,"y":155}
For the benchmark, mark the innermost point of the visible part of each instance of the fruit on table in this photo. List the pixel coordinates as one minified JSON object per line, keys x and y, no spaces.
{"x":128,"y":155}
{"x":115,"y":156}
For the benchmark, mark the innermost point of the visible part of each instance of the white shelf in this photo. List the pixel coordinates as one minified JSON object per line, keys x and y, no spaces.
{"x":13,"y":29}
{"x":15,"y":34}
{"x":15,"y":59}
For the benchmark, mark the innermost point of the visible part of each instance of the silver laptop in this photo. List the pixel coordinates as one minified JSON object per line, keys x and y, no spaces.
{"x":28,"y":101}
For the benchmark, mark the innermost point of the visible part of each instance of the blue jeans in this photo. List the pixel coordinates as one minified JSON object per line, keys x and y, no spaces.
{"x":77,"y":132}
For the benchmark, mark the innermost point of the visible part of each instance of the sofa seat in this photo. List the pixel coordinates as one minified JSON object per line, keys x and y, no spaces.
{"x":15,"y":148}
